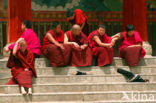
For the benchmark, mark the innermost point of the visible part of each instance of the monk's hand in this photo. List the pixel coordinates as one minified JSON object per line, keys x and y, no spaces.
{"x":6,"y":49}
{"x":113,"y":42}
{"x":109,"y":45}
{"x":135,"y":46}
{"x":61,"y":46}
{"x":20,"y":39}
{"x":82,"y":47}
{"x":26,"y":69}
{"x":76,"y":45}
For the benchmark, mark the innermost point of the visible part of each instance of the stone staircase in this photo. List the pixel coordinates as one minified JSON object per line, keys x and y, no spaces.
{"x":56,"y":85}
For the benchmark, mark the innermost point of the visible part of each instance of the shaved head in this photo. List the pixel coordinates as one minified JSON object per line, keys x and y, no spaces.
{"x":23,"y":45}
{"x":76,"y":30}
{"x":76,"y":27}
{"x":23,"y":42}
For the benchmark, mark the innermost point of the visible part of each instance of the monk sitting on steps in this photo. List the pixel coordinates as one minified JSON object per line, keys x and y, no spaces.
{"x":131,"y":46}
{"x":22,"y":67}
{"x":101,"y":45}
{"x":30,"y":37}
{"x":77,"y":40}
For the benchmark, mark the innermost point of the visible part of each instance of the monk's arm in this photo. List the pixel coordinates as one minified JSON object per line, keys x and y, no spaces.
{"x":52,"y":40}
{"x":30,"y":61}
{"x":84,"y":46}
{"x":15,"y":49}
{"x":82,"y":25}
{"x":70,"y":43}
{"x":6,"y":49}
{"x":139,"y":44}
{"x":116,"y":36}
{"x":98,"y":41}
{"x":66,"y":41}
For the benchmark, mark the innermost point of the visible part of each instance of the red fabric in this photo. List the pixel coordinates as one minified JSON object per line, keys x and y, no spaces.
{"x":105,"y":55}
{"x":131,"y":55}
{"x":18,"y":64}
{"x":18,"y":10}
{"x":81,"y":39}
{"x":23,"y":79}
{"x":80,"y":17}
{"x":57,"y":56}
{"x":58,"y":37}
{"x":80,"y":57}
{"x":21,"y":61}
{"x":32,"y":40}
{"x":104,"y":39}
{"x":134,"y":12}
{"x":127,"y":41}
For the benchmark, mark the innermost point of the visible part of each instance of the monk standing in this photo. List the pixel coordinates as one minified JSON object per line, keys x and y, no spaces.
{"x":81,"y":53}
{"x":23,"y":67}
{"x":131,"y":46}
{"x":53,"y":47}
{"x":101,"y":45}
{"x":78,"y":17}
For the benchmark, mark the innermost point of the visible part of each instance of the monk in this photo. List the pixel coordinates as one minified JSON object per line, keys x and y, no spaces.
{"x":23,"y":67}
{"x":81,"y":53}
{"x":53,"y":47}
{"x":131,"y":46}
{"x":30,"y":37}
{"x":78,"y":17}
{"x":101,"y":45}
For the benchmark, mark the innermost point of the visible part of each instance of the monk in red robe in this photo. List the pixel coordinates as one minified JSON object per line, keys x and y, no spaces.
{"x":101,"y":45}
{"x":30,"y":37}
{"x":78,"y":17}
{"x":53,"y":47}
{"x":131,"y":46}
{"x":22,"y":67}
{"x":81,"y":53}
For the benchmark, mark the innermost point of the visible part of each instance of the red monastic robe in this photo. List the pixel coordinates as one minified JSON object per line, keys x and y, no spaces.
{"x":32,"y":40}
{"x":131,"y":54}
{"x":79,"y":19}
{"x":18,"y":64}
{"x":56,"y":55}
{"x":104,"y":54}
{"x":80,"y":57}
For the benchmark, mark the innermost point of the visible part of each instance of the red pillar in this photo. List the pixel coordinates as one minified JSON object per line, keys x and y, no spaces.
{"x":134,"y":12}
{"x":18,"y":10}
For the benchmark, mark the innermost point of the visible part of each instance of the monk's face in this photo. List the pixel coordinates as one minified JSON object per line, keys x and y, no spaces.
{"x":101,"y":31}
{"x":23,"y":47}
{"x":130,"y":33}
{"x":58,"y":29}
{"x":76,"y":32}
{"x":23,"y":27}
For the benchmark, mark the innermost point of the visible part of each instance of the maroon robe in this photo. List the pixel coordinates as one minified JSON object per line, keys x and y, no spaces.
{"x":55,"y":54}
{"x":79,"y":19}
{"x":18,"y":64}
{"x":80,"y":57}
{"x":104,"y":54}
{"x":131,"y":54}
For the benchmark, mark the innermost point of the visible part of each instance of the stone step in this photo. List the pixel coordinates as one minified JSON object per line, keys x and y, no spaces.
{"x":81,"y":79}
{"x":97,"y":70}
{"x":81,"y":87}
{"x":43,"y":62}
{"x":115,"y":101}
{"x":81,"y":96}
